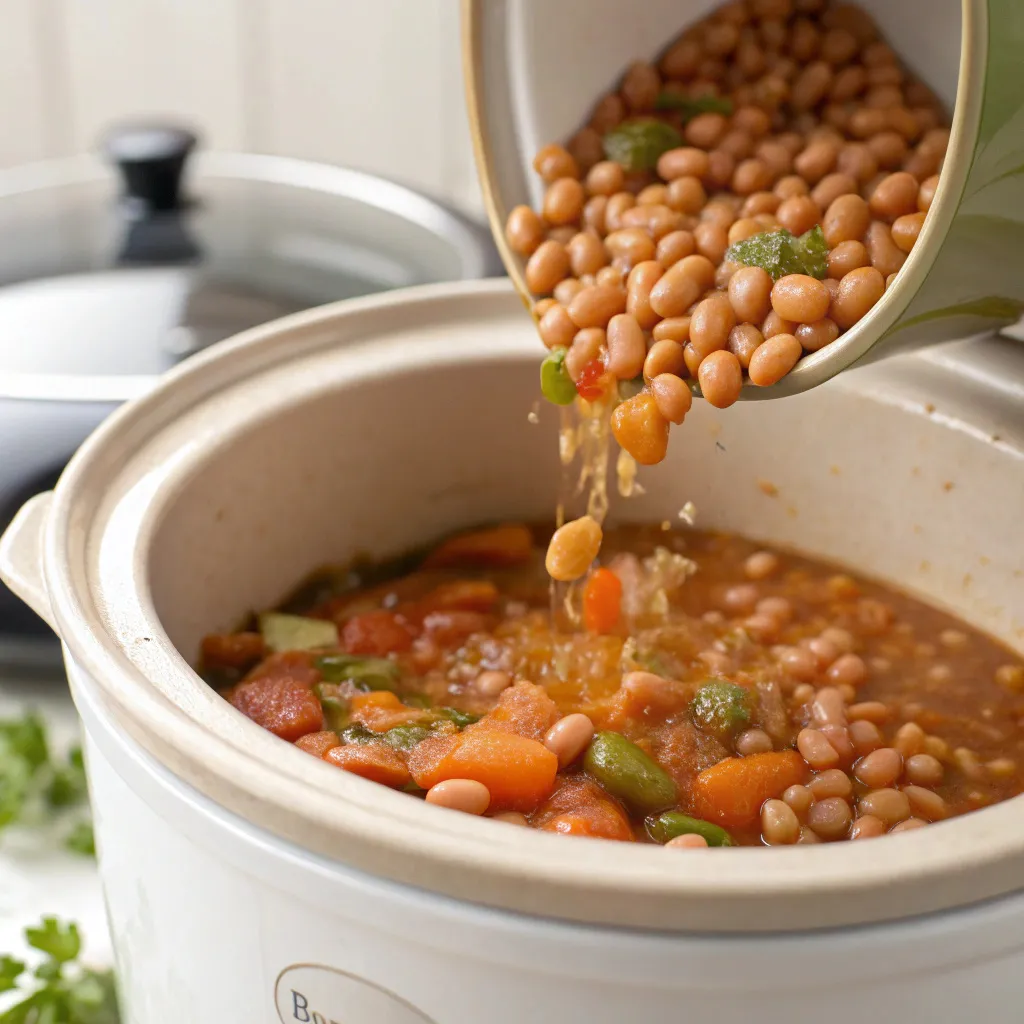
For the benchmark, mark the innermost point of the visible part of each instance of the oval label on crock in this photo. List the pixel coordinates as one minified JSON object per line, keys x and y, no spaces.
{"x":313,"y":994}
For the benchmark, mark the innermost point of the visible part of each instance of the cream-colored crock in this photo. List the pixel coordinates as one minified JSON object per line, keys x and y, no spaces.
{"x":535,"y":68}
{"x":378,"y":424}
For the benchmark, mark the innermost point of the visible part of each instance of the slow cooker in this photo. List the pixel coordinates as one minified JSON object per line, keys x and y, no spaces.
{"x":246,"y":880}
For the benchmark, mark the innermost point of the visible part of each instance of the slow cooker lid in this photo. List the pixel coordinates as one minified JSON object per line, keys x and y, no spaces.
{"x":121,"y":266}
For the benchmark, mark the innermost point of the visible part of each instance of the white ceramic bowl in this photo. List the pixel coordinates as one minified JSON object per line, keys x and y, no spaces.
{"x":241,"y":874}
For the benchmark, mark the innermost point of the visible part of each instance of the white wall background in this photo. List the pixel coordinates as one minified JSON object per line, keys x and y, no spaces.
{"x":373,"y":84}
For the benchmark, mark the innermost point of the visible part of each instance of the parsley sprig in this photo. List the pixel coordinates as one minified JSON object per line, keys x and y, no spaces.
{"x":60,"y":990}
{"x":34,"y":785}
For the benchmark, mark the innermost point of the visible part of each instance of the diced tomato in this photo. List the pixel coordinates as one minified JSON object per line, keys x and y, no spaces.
{"x":318,"y":743}
{"x":376,"y":633}
{"x":510,"y":544}
{"x":595,"y":381}
{"x":285,"y":706}
{"x":580,"y":807}
{"x":232,"y":650}
{"x":295,"y":665}
{"x":381,"y":710}
{"x":602,"y":601}
{"x":375,"y":761}
{"x":524,"y":708}
{"x":519,"y":773}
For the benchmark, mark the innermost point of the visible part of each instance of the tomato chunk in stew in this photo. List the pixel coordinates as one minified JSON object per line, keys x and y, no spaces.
{"x":695,"y":690}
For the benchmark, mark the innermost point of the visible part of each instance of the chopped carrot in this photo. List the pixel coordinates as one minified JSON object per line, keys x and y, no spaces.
{"x":377,"y":633}
{"x":285,"y":706}
{"x":580,"y":807}
{"x":732,"y":791}
{"x":506,"y":545}
{"x":519,"y":773}
{"x":524,"y":708}
{"x":381,"y":710}
{"x":232,"y":650}
{"x":375,"y":761}
{"x":602,"y":601}
{"x":318,"y":743}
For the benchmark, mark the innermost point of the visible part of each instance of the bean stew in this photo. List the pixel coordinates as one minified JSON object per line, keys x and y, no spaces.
{"x":695,"y":690}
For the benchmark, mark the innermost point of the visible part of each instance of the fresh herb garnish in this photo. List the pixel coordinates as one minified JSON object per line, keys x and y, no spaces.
{"x":60,"y":990}
{"x":33,"y":785}
{"x":781,"y":253}
{"x":637,"y":144}
{"x":691,"y":106}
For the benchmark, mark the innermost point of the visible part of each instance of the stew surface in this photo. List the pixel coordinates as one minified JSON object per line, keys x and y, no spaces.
{"x":695,"y":690}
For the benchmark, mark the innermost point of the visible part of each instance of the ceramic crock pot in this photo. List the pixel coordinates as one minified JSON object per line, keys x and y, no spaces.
{"x":116,"y":268}
{"x":247,"y":881}
{"x":534,"y":70}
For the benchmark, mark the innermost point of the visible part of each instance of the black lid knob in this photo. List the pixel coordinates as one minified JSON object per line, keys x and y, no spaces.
{"x":151,"y":159}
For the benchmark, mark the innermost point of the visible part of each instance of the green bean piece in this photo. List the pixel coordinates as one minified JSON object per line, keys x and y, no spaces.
{"x":405,"y":737}
{"x":335,"y":707}
{"x":628,"y":773}
{"x":460,"y":718}
{"x":674,"y":823}
{"x":368,"y":673}
{"x":358,"y":733}
{"x":721,"y":708}
{"x":638,"y":143}
{"x":555,"y":383}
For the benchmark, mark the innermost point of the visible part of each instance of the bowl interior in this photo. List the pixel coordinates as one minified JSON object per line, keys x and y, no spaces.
{"x":424,"y":446}
{"x":563,"y":57}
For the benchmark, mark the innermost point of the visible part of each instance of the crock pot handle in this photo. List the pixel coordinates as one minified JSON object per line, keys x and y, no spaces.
{"x":21,"y":555}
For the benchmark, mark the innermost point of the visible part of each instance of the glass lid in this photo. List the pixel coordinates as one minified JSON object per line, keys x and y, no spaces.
{"x":115,"y":269}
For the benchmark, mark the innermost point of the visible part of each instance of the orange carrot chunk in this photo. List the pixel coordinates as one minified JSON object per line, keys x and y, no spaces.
{"x":318,"y":743}
{"x":732,"y":791}
{"x":381,"y":710}
{"x":510,"y":544}
{"x":519,"y":773}
{"x":373,"y":761}
{"x":602,"y":601}
{"x":232,"y":650}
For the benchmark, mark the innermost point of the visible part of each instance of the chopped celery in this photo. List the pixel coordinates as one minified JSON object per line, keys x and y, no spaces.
{"x":283,"y":632}
{"x":555,"y":384}
{"x":368,"y":673}
{"x":691,"y":106}
{"x":721,"y":708}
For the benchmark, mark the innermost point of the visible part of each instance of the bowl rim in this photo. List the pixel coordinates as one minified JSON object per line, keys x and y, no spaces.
{"x":870,"y":332}
{"x":283,"y":791}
